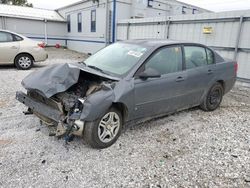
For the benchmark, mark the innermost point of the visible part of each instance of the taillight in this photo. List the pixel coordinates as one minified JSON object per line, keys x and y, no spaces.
{"x":235,"y":67}
{"x":41,"y":45}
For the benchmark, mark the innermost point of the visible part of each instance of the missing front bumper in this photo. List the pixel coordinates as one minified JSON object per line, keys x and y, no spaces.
{"x":50,"y":116}
{"x":38,"y":107}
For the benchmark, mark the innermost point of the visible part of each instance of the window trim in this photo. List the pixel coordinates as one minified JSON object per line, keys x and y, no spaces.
{"x":92,"y":29}
{"x":142,"y":66}
{"x":207,"y":49}
{"x":79,"y":22}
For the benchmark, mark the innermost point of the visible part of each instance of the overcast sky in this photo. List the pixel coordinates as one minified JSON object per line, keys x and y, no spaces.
{"x":214,"y":5}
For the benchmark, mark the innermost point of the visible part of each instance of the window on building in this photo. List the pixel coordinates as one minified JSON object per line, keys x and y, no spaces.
{"x":194,"y":11}
{"x":93,"y":20}
{"x":150,"y":3}
{"x":195,"y":56}
{"x":166,"y":60}
{"x":68,"y":23}
{"x":184,"y":9}
{"x":79,"y":22}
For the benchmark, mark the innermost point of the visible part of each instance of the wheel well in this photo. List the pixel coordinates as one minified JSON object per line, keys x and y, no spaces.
{"x":123,"y":109}
{"x":222,"y":83}
{"x":24,"y":53}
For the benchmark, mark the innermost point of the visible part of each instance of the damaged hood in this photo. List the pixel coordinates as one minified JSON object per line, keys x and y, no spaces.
{"x":58,"y":78}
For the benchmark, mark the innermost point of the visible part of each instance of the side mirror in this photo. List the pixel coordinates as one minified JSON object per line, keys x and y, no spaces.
{"x":149,"y":73}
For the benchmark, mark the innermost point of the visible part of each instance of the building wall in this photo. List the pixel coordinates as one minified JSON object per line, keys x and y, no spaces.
{"x":35,"y":29}
{"x":85,"y":41}
{"x":81,"y":41}
{"x":223,"y":37}
{"x":158,"y":8}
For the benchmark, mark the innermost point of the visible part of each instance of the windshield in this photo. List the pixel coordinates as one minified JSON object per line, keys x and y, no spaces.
{"x":117,"y":58}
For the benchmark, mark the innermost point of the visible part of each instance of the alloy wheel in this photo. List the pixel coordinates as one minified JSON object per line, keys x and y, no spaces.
{"x":109,"y":127}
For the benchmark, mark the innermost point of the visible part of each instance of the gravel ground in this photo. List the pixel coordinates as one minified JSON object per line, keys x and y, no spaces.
{"x":188,"y":149}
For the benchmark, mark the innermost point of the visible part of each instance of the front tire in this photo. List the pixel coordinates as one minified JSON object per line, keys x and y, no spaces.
{"x":213,"y":98}
{"x":24,"y":61}
{"x":104,"y":132}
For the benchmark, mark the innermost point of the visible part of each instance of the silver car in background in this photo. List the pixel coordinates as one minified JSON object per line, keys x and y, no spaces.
{"x":20,"y":50}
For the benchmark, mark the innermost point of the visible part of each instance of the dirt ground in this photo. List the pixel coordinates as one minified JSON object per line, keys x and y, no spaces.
{"x":188,"y":149}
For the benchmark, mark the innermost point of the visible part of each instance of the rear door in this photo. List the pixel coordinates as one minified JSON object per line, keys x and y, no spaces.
{"x":200,"y":68}
{"x":9,"y":47}
{"x":155,"y":96}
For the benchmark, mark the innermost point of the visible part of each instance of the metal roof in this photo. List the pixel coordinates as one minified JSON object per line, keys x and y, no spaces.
{"x":29,"y":13}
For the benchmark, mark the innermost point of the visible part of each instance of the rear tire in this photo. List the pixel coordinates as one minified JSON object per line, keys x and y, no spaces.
{"x":104,"y":131}
{"x":213,"y":98}
{"x":24,"y":61}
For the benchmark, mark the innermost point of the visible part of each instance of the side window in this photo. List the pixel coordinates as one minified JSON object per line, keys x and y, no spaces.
{"x":166,"y":60}
{"x":17,"y":38}
{"x":93,"y":20}
{"x":68,"y":24}
{"x":195,"y":56}
{"x":210,"y":57}
{"x":6,"y":37}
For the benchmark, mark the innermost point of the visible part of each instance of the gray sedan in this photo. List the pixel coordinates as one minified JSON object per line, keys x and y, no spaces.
{"x":126,"y":82}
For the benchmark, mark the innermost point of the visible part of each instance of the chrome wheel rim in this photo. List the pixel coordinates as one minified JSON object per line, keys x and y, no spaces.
{"x":24,"y":62}
{"x":109,"y":127}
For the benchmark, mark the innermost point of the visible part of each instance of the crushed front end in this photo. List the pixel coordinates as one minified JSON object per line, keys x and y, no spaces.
{"x":58,"y":100}
{"x":62,"y":111}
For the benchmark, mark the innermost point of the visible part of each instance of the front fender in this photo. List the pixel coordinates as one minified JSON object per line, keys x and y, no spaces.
{"x":97,"y":104}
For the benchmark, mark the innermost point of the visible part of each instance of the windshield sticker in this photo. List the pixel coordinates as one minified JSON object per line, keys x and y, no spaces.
{"x":135,"y":54}
{"x":176,"y":49}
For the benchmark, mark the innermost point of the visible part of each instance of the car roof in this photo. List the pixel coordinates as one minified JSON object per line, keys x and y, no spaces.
{"x":157,"y":42}
{"x":7,"y":31}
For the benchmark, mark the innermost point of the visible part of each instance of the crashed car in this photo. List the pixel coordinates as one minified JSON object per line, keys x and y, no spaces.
{"x":126,"y":82}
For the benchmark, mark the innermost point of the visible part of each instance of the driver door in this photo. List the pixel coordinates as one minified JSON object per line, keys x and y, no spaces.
{"x":155,"y":96}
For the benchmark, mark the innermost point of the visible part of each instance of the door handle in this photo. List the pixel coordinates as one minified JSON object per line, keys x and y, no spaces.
{"x":13,"y":47}
{"x":210,"y":71}
{"x":179,"y":79}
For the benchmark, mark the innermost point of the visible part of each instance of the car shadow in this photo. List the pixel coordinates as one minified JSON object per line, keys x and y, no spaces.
{"x":7,"y":67}
{"x":148,"y":123}
{"x":77,"y":143}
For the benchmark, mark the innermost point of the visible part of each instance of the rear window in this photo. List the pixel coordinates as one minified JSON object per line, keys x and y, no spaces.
{"x":17,"y":38}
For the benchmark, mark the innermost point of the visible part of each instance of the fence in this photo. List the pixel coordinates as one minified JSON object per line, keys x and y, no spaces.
{"x":226,"y":32}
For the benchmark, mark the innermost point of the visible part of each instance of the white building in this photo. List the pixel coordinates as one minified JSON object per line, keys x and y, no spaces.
{"x":91,"y":24}
{"x":88,"y":25}
{"x":39,"y":24}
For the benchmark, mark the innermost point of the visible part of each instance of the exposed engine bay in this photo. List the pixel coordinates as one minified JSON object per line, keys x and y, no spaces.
{"x":69,"y":103}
